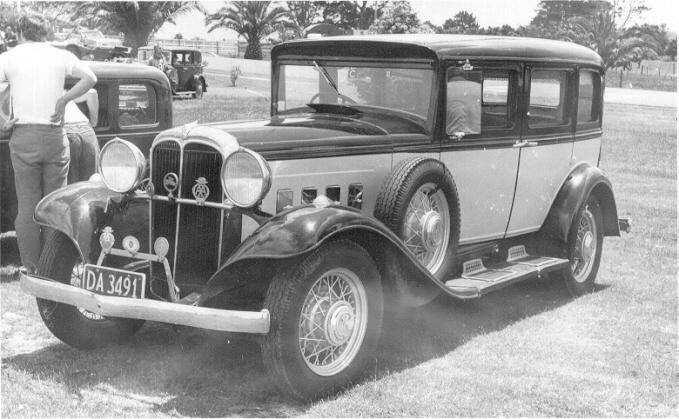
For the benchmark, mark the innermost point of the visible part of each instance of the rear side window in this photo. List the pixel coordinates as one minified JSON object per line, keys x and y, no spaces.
{"x":589,"y":92}
{"x":136,"y":105}
{"x":548,"y":99}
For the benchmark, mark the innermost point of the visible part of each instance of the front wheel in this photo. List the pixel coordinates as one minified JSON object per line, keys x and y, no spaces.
{"x":326,"y":317}
{"x":585,"y":241}
{"x":198,"y":89}
{"x":76,"y":326}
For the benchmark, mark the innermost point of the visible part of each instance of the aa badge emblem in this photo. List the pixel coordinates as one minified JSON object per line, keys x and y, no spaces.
{"x":200,"y":190}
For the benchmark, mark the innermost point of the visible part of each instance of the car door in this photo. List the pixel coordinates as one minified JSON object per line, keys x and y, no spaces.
{"x":478,"y":144}
{"x":546,"y":144}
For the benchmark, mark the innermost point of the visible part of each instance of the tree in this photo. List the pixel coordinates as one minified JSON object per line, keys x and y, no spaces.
{"x":398,"y":17}
{"x":137,"y":20}
{"x":251,"y":19}
{"x":600,"y":25}
{"x":353,"y":14}
{"x":462,"y":22}
{"x":178,"y":35}
{"x":303,"y":14}
{"x":671,"y":50}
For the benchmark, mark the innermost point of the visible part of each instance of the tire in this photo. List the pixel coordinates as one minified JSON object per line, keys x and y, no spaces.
{"x":437,"y":232}
{"x":296,"y":299}
{"x":198,"y":89}
{"x":585,"y":236}
{"x":74,"y":326}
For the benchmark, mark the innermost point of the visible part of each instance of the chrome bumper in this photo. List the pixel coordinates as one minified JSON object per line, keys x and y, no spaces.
{"x":146,"y":309}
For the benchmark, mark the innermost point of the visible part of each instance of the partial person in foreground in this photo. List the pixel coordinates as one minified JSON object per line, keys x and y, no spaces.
{"x":83,"y":143}
{"x":36,"y":72}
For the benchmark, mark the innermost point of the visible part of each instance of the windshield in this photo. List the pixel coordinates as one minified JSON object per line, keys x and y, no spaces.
{"x":387,"y":88}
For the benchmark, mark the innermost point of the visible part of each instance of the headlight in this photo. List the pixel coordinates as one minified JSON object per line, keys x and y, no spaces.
{"x":121,"y":165}
{"x":246,"y":178}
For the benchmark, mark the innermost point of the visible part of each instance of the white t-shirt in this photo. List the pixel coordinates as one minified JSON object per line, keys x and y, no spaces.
{"x":36,"y":73}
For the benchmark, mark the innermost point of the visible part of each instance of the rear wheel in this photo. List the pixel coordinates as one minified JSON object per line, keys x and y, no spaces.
{"x":326,"y":317}
{"x":76,"y":326}
{"x":585,"y":241}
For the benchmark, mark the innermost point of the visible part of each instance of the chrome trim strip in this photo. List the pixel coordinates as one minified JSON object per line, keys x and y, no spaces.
{"x":179,"y":207}
{"x":147,"y":309}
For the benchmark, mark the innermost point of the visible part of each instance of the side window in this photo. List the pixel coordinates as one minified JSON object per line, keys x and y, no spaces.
{"x":548,"y":99}
{"x":589,"y":91}
{"x":478,"y":100}
{"x":136,"y":105}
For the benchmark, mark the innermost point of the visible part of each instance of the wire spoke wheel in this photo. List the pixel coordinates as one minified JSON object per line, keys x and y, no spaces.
{"x":333,"y":322}
{"x":426,"y":226}
{"x":584,"y":251}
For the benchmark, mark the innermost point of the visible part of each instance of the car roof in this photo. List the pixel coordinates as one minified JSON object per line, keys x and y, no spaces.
{"x":177,"y":49}
{"x":442,"y":47}
{"x":109,"y":70}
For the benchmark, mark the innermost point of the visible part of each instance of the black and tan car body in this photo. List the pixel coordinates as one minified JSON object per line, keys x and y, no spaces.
{"x":516,"y":184}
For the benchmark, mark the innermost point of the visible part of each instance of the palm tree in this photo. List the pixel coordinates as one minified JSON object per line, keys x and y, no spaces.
{"x":251,"y":19}
{"x":137,"y":20}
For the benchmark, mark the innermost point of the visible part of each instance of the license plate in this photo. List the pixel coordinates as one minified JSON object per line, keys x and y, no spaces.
{"x":110,"y":281}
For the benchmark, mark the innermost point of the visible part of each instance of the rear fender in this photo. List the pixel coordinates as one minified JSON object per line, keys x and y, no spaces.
{"x":295,"y":232}
{"x":82,"y":209}
{"x":583,"y":180}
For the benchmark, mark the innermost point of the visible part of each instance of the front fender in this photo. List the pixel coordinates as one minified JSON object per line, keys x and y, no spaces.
{"x":583,"y":180}
{"x":300,"y":230}
{"x":82,"y":209}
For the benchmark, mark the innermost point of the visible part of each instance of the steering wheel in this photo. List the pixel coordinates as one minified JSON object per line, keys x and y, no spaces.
{"x":345,"y":99}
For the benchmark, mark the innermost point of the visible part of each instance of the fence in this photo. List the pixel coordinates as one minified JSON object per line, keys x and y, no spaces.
{"x":224,"y":48}
{"x":649,"y":75}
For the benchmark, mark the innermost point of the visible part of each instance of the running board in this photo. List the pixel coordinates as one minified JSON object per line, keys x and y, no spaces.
{"x":477,"y":279}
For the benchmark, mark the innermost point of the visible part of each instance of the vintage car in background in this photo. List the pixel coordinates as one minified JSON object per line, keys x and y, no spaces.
{"x":392,"y":169}
{"x":91,"y":44}
{"x":134,"y":101}
{"x":184,"y":68}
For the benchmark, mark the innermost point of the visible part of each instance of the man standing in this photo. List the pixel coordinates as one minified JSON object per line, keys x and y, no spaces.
{"x":36,"y":72}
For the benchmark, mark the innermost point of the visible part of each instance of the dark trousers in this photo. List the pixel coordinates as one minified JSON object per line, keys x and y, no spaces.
{"x":40,"y":159}
{"x":84,"y":148}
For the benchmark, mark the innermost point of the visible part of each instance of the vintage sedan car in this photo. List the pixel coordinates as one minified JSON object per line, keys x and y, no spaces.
{"x":392,"y":169}
{"x":134,"y":101}
{"x":184,"y":68}
{"x":91,"y":44}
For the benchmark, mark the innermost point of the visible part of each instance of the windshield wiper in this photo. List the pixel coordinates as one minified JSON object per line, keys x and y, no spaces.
{"x":326,"y":76}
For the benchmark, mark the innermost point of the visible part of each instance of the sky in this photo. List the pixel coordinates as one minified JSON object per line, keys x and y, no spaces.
{"x":487,"y":12}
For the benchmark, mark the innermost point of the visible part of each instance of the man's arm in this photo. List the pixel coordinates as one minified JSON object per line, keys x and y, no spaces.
{"x":93,"y":106}
{"x":86,"y":82}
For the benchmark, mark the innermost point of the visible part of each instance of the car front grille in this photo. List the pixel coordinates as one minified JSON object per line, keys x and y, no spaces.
{"x":194,"y":231}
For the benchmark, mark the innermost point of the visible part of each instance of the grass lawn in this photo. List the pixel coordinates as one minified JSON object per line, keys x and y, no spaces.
{"x":528,"y":350}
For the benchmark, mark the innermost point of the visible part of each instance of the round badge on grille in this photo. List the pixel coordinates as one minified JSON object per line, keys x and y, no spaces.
{"x":200,"y":190}
{"x":131,"y":244}
{"x":170,"y":182}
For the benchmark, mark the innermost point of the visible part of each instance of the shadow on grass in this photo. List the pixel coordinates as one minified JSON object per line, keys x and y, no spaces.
{"x":191,"y":372}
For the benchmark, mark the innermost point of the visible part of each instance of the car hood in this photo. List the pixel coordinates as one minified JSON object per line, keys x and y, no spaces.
{"x":313,"y":130}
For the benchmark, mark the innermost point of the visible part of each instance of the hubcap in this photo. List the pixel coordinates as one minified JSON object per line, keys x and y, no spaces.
{"x":427,"y":226}
{"x":584,"y":252}
{"x":333,"y":322}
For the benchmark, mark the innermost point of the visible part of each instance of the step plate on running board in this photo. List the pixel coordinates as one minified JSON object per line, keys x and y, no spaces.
{"x":475,"y":282}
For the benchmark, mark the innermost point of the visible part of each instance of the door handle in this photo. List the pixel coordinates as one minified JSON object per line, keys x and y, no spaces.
{"x":525,"y":143}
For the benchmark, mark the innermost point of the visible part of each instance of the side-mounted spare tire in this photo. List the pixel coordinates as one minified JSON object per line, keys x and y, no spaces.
{"x":419,"y":202}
